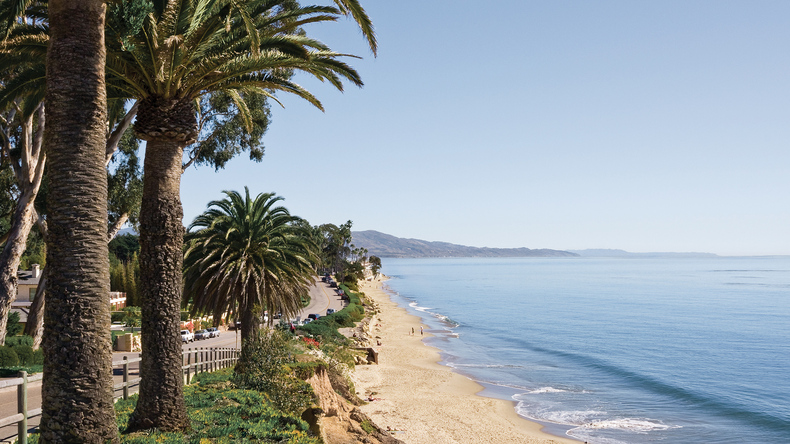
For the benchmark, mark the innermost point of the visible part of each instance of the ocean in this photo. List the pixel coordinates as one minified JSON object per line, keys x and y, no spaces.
{"x":616,"y":350}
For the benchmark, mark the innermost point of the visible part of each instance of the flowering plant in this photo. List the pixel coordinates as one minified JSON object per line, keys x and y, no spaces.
{"x":311,"y":342}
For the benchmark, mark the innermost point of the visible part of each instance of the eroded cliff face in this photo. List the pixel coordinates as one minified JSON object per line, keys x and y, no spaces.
{"x":337,"y":420}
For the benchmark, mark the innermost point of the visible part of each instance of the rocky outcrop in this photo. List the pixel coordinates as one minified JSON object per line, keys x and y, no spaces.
{"x":365,"y":334}
{"x":336,"y":419}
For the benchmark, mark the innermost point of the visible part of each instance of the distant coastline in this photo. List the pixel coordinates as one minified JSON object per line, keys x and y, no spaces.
{"x":385,"y":245}
{"x":601,"y":252}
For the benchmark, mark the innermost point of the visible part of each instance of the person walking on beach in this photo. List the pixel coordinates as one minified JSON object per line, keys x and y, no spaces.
{"x":412,"y":331}
{"x":420,"y":330}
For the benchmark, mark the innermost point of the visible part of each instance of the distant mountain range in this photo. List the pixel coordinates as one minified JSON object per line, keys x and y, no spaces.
{"x":627,"y":254}
{"x":385,"y":245}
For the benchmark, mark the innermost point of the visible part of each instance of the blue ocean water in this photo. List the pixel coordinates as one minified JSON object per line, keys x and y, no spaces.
{"x":617,"y":350}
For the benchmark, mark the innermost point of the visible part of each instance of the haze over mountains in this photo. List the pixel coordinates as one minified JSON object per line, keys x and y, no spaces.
{"x":385,"y":245}
{"x":627,"y":254}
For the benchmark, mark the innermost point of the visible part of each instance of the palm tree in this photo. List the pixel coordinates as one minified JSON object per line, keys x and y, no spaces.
{"x":247,"y":255}
{"x":77,"y":392}
{"x":184,"y":50}
{"x":22,"y":90}
{"x":164,"y":59}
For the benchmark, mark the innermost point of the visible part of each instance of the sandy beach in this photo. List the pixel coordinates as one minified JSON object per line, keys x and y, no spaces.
{"x":428,"y":403}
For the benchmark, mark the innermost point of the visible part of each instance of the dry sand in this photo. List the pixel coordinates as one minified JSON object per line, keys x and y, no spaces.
{"x":426,"y":402}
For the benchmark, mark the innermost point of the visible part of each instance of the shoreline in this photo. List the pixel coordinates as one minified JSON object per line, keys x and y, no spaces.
{"x":424,"y":401}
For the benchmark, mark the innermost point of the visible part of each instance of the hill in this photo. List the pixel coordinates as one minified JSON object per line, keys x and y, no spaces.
{"x":627,"y":254}
{"x":385,"y":245}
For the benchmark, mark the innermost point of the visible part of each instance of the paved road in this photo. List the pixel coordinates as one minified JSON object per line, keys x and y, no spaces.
{"x":322,"y":297}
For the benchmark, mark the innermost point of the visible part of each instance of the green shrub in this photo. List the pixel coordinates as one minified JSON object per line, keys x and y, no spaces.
{"x":352,"y":284}
{"x":114,"y":337}
{"x":24,"y":353}
{"x":131,"y":316}
{"x":38,"y":357}
{"x":13,"y":372}
{"x":264,"y":367}
{"x":13,"y":327}
{"x":8,"y":357}
{"x":117,"y":316}
{"x":19,"y":340}
{"x":327,"y":326}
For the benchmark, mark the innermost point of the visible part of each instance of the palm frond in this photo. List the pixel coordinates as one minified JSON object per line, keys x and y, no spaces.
{"x":28,"y":83}
{"x":356,"y":11}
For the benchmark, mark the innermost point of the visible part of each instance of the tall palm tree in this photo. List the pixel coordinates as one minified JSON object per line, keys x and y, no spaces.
{"x":183,"y":50}
{"x":247,"y":255}
{"x":163,"y":59}
{"x":77,"y":393}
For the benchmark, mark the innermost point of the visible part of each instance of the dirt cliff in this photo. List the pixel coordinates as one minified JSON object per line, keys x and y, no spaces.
{"x":336,"y":419}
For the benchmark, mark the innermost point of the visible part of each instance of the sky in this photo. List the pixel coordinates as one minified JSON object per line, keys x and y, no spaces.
{"x":643,"y":126}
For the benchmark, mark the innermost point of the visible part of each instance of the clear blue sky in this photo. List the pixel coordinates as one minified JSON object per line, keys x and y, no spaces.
{"x":645,"y":126}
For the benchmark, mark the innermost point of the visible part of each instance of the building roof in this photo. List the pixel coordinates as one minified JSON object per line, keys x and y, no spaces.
{"x":25,"y":277}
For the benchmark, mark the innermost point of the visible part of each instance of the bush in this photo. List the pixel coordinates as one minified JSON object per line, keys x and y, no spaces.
{"x":131,"y":316}
{"x":38,"y":357}
{"x":13,"y":372}
{"x":114,"y":337}
{"x":8,"y":357}
{"x":117,"y":316}
{"x":19,"y":340}
{"x":24,"y":353}
{"x":327,"y":326}
{"x":13,"y":327}
{"x":352,"y":284}
{"x":264,"y":367}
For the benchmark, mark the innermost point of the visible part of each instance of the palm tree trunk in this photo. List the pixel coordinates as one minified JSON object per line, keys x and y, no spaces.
{"x":77,"y":392}
{"x":250,"y":322}
{"x":161,"y":402}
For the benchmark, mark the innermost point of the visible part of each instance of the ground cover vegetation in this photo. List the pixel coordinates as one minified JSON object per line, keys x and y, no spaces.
{"x":220,"y":412}
{"x":151,"y":35}
{"x":262,"y":400}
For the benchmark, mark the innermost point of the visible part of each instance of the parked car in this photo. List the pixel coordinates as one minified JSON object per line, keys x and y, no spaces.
{"x":202,"y":334}
{"x":314,"y":316}
{"x":213,"y":332}
{"x":307,"y":321}
{"x":329,"y":311}
{"x":187,"y":336}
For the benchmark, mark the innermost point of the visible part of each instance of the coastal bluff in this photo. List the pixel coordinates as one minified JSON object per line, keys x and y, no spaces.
{"x":385,"y":245}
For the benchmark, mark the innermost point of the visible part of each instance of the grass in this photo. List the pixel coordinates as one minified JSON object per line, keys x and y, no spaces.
{"x":367,"y":426}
